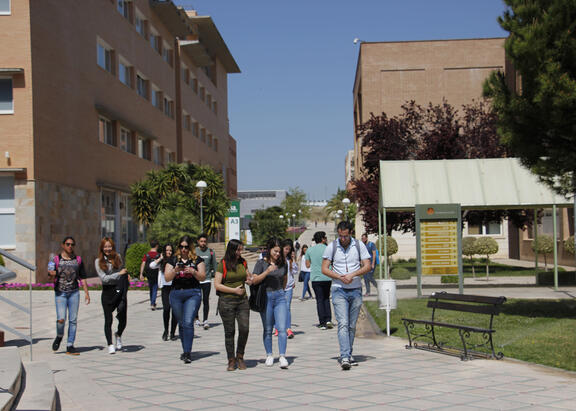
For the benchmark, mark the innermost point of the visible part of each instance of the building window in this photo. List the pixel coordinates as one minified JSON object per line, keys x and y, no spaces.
{"x":142,"y":86}
{"x":123,"y":7}
{"x":126,"y":140}
{"x":185,"y":75}
{"x":485,"y":229}
{"x":156,"y":98}
{"x":143,"y":148}
{"x":108,"y":213}
{"x":4,"y":7}
{"x":215,"y":107}
{"x":172,"y":157}
{"x":209,"y":101}
{"x":154,"y":40}
{"x":202,"y":93}
{"x":104,"y":57}
{"x":195,"y":128}
{"x":167,"y":53}
{"x":194,"y":85}
{"x":125,"y":72}
{"x":106,"y":131}
{"x":203,"y":135}
{"x":6,"y":96}
{"x":168,"y":107}
{"x":140,"y":24}
{"x":157,"y":154}
{"x":7,"y":212}
{"x":187,"y":122}
{"x":215,"y":144}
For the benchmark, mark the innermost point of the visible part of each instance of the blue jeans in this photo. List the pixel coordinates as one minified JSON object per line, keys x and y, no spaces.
{"x":153,"y":292}
{"x":369,"y":278}
{"x":306,"y":275}
{"x":276,"y":311}
{"x":185,"y":304}
{"x":67,"y":301}
{"x":288,"y":296}
{"x":347,"y":303}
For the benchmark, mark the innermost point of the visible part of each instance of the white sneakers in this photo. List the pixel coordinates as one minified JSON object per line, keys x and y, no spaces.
{"x":283,"y":363}
{"x":269,"y":361}
{"x":206,"y":325}
{"x":282,"y":360}
{"x":118,"y":341}
{"x":111,"y":349}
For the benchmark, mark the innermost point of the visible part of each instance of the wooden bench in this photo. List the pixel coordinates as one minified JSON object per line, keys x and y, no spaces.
{"x":471,"y":348}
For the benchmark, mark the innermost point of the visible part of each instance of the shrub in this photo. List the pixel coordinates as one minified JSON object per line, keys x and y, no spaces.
{"x":449,"y":279}
{"x":564,"y":278}
{"x":400,"y":273}
{"x":486,"y":246}
{"x":2,"y":261}
{"x":134,"y":256}
{"x":569,"y":244}
{"x":171,"y":224}
{"x":469,"y":249}
{"x":543,"y":245}
{"x":391,"y":247}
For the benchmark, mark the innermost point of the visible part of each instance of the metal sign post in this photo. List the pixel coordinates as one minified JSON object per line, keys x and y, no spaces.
{"x":439,"y":242}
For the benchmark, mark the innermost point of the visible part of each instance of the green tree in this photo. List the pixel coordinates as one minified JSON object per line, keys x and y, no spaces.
{"x":335,"y":204}
{"x":171,"y":224}
{"x":569,"y":244}
{"x":295,"y":203}
{"x":173,"y":188}
{"x":486,"y":246}
{"x":391,"y":248}
{"x":267,"y":223}
{"x":469,"y":250}
{"x":537,"y":117}
{"x":544,"y":245}
{"x":134,"y":255}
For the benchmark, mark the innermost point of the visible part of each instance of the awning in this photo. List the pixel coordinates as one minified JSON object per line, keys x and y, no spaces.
{"x":492,"y":183}
{"x":11,"y":71}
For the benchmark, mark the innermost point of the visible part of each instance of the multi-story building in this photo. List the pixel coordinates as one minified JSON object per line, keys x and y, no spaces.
{"x":93,"y":94}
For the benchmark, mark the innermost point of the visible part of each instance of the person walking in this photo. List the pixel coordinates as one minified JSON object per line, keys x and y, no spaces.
{"x":345,"y":260}
{"x":150,"y":273}
{"x":110,"y":269}
{"x":231,"y":275}
{"x":67,"y":271}
{"x":304,"y":274}
{"x":209,"y":258}
{"x":288,"y":251}
{"x":272,"y":271}
{"x":185,"y":272}
{"x":165,"y":287}
{"x":320,"y":283}
{"x":369,"y":276}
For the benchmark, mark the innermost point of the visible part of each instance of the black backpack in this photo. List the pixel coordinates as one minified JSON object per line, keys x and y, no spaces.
{"x":150,"y":273}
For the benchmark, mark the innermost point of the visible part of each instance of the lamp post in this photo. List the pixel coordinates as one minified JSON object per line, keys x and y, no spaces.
{"x":346,"y":202}
{"x":293,"y":230}
{"x":201,"y":185}
{"x":337,"y":216}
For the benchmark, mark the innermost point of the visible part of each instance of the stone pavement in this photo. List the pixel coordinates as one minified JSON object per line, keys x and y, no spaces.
{"x":148,"y":374}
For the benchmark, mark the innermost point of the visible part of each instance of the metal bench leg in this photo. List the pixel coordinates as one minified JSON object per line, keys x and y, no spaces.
{"x":408,"y":332}
{"x":463,"y":336}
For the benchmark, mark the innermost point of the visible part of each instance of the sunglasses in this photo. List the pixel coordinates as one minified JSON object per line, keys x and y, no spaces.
{"x":183,"y":246}
{"x":69,"y":244}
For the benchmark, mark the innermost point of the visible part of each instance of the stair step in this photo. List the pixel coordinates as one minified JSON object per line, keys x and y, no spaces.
{"x":10,"y":376}
{"x":40,"y":391}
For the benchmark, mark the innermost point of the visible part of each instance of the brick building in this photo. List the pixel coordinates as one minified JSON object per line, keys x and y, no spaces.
{"x":93,"y":94}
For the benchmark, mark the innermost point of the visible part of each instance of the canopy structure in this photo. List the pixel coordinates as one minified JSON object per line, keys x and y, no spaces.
{"x":491,"y":183}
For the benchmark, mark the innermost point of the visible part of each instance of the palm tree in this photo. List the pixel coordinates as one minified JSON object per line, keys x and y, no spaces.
{"x":335,"y":204}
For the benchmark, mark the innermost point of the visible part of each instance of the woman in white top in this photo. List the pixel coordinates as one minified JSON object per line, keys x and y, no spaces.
{"x":288,"y":249}
{"x":167,"y":256}
{"x":305,"y":273}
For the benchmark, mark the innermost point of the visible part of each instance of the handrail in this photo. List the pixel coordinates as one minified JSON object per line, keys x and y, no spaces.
{"x":28,"y":311}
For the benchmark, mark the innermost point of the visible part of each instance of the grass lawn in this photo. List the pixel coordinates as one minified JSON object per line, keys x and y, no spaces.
{"x":496,"y":270}
{"x":538,"y":331}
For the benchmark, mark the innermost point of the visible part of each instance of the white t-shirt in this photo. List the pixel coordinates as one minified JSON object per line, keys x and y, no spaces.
{"x":346,"y":261}
{"x":303,"y":264}
{"x":292,"y":270}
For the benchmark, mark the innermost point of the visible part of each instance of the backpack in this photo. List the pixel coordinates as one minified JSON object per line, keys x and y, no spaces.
{"x":150,"y":273}
{"x":335,"y":244}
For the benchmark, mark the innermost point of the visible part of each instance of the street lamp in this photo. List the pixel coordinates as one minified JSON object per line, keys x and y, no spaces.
{"x":201,"y":185}
{"x":337,"y":216}
{"x":293,"y":230}
{"x":346,"y":202}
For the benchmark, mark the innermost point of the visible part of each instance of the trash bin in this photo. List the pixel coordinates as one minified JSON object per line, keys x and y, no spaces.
{"x":386,"y":290}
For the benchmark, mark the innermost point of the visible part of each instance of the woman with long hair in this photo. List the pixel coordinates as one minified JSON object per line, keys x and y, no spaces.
{"x":272,"y":272}
{"x":110,"y":269}
{"x":231,"y":275}
{"x":164,"y":258}
{"x":185,"y":272}
{"x":305,"y":273}
{"x":288,"y":251}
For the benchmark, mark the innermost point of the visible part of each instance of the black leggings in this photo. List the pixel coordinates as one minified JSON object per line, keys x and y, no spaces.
{"x":166,"y":310}
{"x":234,"y":310}
{"x":205,"y":287}
{"x":108,"y":295}
{"x":322,"y":292}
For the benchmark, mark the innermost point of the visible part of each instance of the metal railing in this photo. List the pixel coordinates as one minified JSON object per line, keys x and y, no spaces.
{"x":5,"y":275}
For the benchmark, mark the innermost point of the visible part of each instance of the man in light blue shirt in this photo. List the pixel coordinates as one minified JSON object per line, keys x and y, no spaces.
{"x":345,"y":260}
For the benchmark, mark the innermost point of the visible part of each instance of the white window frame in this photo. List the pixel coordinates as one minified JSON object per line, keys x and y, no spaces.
{"x":146,"y":85}
{"x":11,"y":110}
{"x":123,"y":9}
{"x":167,"y":54}
{"x":109,"y":65}
{"x":168,"y":106}
{"x":139,"y":17}
{"x":154,"y":36}
{"x":106,"y":138}
{"x":157,"y":154}
{"x":484,"y":229}
{"x":156,"y":97}
{"x":124,"y":67}
{"x":9,"y":12}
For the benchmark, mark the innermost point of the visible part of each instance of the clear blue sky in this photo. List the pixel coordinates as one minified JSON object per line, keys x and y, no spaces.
{"x":291,"y":107}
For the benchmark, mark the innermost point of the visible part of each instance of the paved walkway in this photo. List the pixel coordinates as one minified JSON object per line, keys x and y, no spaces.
{"x":148,"y":374}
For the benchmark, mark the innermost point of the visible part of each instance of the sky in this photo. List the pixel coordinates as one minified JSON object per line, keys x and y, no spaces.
{"x":291,"y":107}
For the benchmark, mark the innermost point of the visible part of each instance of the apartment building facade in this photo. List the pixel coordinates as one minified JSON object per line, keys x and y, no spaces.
{"x":93,"y":94}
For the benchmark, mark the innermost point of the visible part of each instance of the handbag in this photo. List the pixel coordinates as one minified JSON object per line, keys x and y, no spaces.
{"x":301,"y":277}
{"x":258,"y":298}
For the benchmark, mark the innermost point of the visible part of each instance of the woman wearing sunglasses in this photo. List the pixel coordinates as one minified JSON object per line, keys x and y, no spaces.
{"x":185,"y":273}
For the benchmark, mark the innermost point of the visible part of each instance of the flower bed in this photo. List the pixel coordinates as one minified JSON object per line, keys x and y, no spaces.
{"x":134,"y":285}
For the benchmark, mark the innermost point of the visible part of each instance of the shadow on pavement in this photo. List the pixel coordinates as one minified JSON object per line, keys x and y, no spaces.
{"x":197,"y":355}
{"x":132,"y":348}
{"x":357,"y":358}
{"x":20,"y":342}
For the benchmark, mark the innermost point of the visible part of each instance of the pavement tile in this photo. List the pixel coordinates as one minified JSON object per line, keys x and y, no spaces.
{"x":565,"y":405}
{"x":509,"y":403}
{"x":346,"y":404}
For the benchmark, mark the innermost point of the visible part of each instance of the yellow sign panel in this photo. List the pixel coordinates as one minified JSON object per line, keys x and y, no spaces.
{"x":439,"y":247}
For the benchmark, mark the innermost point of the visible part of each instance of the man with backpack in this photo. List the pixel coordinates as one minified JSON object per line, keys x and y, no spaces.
{"x":151,"y":274}
{"x":67,"y":270}
{"x":369,"y":276}
{"x":345,"y":260}
{"x":209,"y":258}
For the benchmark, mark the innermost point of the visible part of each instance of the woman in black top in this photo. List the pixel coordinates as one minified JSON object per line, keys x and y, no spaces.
{"x":185,"y":273}
{"x":167,"y":256}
